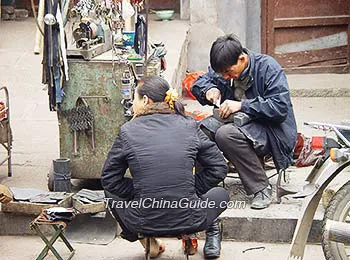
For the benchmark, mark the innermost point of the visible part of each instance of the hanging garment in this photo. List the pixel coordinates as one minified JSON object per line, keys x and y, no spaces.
{"x":53,"y":65}
{"x":140,"y":35}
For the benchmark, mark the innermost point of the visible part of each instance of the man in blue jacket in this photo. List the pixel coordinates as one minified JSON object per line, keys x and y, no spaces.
{"x":255,"y":84}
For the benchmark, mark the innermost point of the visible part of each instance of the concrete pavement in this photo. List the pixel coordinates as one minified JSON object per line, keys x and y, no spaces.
{"x":30,"y":246}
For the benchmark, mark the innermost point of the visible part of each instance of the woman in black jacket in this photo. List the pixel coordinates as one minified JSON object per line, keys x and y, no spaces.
{"x":161,"y":146}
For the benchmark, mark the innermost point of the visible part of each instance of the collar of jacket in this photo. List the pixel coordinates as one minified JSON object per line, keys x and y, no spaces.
{"x":251,"y":62}
{"x":156,"y":108}
{"x":245,"y":72}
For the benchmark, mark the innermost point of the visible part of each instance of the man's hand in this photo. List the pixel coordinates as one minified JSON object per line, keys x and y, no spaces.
{"x":228,"y":107}
{"x":213,"y":95}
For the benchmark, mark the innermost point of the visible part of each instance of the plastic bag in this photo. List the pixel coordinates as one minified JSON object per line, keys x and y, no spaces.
{"x":188,"y":81}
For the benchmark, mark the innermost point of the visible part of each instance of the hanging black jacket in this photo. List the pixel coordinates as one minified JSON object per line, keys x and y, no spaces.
{"x":267,"y":101}
{"x":161,"y":148}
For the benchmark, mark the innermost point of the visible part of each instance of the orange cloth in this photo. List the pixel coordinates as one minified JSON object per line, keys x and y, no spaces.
{"x":188,"y":81}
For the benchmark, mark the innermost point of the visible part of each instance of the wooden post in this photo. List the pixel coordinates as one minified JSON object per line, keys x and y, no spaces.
{"x":38,"y":36}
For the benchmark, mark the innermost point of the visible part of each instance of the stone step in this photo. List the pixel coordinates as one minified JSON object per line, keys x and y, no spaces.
{"x":320,"y":92}
{"x":274,"y":224}
{"x":319,"y":85}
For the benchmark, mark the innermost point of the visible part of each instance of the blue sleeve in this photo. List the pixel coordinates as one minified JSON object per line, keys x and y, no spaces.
{"x":206,"y":82}
{"x":201,"y":86}
{"x":274,"y":103}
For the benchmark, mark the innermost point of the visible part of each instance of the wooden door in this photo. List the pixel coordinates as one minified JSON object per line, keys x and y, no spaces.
{"x":307,"y":36}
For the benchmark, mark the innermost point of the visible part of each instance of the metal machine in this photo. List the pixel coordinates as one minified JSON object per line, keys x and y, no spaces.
{"x":90,"y":39}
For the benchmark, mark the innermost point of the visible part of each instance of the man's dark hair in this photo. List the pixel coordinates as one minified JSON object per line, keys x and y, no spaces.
{"x":225,"y":52}
{"x":155,"y":88}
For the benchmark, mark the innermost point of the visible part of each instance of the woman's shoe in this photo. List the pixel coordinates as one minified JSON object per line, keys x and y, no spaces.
{"x":212,"y":246}
{"x":156,"y":246}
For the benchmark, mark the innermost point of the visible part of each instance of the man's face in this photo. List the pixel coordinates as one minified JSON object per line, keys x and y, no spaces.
{"x":234,"y":71}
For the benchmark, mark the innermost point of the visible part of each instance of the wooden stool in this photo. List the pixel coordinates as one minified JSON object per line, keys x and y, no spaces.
{"x":59,"y":227}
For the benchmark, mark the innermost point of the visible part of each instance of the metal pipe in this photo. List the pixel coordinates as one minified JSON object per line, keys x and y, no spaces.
{"x":337,"y":231}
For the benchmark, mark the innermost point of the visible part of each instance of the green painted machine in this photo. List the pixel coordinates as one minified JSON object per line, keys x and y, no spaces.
{"x":97,"y":101}
{"x":96,"y":97}
{"x":92,"y":82}
{"x":93,"y":109}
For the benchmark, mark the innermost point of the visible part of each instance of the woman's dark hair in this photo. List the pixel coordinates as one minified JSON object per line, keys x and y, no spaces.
{"x":225,"y":52}
{"x":155,"y":88}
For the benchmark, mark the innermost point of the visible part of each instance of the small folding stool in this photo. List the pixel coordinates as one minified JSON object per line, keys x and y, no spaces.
{"x":59,"y":227}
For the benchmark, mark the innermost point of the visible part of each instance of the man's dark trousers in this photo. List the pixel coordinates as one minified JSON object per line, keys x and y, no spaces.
{"x":239,"y":150}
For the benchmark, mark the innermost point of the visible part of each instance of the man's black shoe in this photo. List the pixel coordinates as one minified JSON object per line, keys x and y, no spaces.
{"x":262,"y":199}
{"x":212,"y":246}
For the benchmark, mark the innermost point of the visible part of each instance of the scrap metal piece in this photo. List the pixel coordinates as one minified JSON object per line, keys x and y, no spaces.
{"x":43,"y":198}
{"x":90,"y":196}
{"x":24,"y":194}
{"x":48,"y":197}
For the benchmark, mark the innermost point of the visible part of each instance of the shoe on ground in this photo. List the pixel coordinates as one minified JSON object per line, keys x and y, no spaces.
{"x":262,"y":199}
{"x":212,"y":246}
